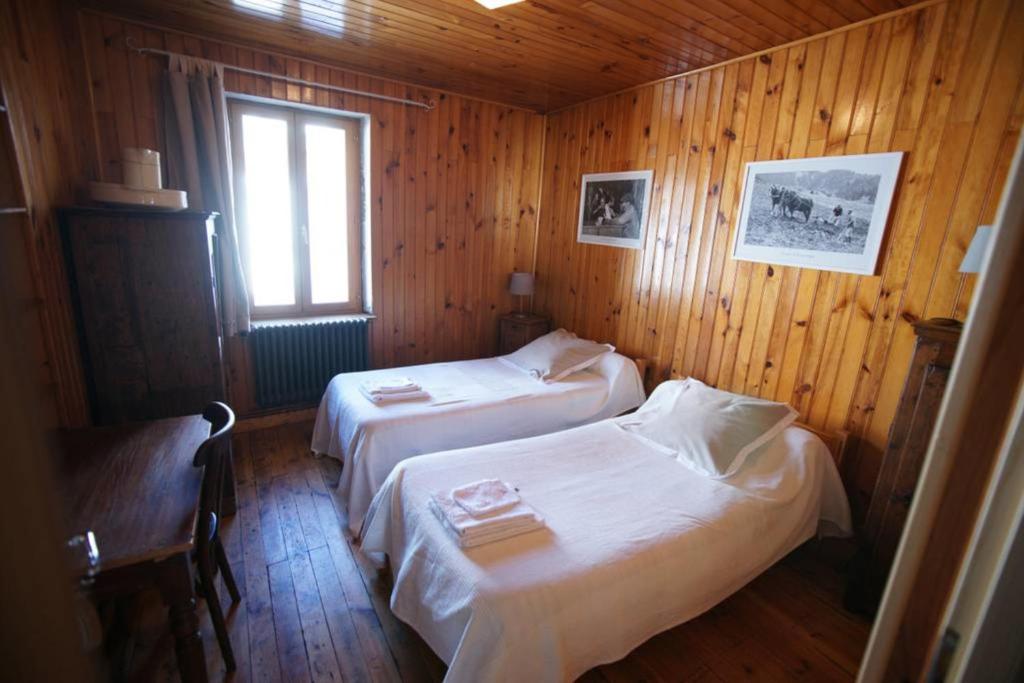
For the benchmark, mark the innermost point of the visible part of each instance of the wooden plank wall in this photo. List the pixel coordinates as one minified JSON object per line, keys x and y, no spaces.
{"x":941,"y":83}
{"x":454,"y":190}
{"x":538,"y":55}
{"x":44,"y":92}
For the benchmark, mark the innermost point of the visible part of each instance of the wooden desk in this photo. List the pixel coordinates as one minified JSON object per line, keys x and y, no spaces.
{"x":135,"y":488}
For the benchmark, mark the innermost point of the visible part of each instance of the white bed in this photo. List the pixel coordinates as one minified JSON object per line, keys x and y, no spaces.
{"x":635,"y":544}
{"x":472,"y":403}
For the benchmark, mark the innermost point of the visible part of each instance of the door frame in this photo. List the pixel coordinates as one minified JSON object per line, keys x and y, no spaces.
{"x":976,"y":414}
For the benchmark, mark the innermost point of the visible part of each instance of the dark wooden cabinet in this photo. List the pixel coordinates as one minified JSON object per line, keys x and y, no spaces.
{"x":516,"y":330}
{"x":143,"y":285}
{"x":909,"y":436}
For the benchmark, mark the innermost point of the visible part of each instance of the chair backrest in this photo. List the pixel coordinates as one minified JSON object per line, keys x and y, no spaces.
{"x":212,"y":457}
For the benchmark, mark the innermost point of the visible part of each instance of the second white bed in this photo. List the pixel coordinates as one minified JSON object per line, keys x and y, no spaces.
{"x":635,"y":543}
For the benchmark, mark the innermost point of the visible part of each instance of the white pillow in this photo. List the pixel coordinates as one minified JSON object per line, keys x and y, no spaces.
{"x":556,"y":355}
{"x":708,"y":430}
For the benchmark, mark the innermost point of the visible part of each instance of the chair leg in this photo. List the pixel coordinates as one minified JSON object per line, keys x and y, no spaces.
{"x":216,"y":615}
{"x":225,"y":569}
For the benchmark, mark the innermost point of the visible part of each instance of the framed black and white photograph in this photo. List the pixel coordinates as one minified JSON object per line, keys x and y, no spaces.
{"x":827,"y":213}
{"x":613,"y":208}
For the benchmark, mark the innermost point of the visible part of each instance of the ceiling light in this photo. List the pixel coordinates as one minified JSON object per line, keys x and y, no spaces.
{"x":495,"y":4}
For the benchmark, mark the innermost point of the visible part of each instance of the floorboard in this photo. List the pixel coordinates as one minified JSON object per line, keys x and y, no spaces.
{"x":314,"y":609}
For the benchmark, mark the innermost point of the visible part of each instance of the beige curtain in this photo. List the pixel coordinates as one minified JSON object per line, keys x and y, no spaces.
{"x":199,"y":161}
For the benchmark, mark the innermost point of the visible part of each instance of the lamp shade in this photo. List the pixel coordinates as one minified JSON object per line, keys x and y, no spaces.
{"x":975,"y":255}
{"x":520,"y":284}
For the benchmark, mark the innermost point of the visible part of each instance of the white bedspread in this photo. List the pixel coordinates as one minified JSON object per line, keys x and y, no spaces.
{"x":635,"y":544}
{"x":472,"y":402}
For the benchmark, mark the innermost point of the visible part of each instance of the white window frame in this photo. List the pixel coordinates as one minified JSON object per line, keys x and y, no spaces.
{"x":296,"y":118}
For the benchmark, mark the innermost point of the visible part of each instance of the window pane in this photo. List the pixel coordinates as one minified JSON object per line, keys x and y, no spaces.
{"x":268,"y":210}
{"x":327,"y":189}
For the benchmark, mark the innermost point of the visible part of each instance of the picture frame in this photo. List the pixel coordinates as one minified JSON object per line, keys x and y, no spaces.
{"x":614,"y":208}
{"x":826,"y":213}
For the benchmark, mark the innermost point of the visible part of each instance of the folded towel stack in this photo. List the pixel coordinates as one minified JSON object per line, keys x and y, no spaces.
{"x":484,"y":512}
{"x":391,"y":389}
{"x":485,"y":497}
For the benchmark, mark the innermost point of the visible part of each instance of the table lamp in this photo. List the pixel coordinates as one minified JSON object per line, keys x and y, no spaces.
{"x":972,"y":262}
{"x":520,"y":285}
{"x":975,"y":256}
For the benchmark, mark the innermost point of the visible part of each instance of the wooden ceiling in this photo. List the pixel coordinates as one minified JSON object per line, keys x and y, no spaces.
{"x":538,"y":54}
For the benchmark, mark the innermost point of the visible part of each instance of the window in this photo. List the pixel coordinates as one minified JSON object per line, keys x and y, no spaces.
{"x":298,"y":201}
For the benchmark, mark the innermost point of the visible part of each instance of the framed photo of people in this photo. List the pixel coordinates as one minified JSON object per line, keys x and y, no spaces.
{"x":828,"y":213}
{"x":614,"y":208}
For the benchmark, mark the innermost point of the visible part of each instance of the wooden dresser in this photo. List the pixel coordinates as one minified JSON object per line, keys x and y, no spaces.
{"x":909,"y":436}
{"x":143,"y":287}
{"x":516,"y":330}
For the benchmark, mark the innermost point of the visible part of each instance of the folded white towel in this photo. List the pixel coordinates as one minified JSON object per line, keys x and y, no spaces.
{"x":393,"y":398}
{"x":390,"y":385}
{"x":485,"y":497}
{"x":470,"y":531}
{"x":485,"y":537}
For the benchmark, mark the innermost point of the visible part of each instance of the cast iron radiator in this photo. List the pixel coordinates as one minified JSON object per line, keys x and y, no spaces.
{"x":294,"y":362}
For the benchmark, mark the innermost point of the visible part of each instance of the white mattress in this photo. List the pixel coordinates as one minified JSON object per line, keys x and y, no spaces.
{"x":473,"y":402}
{"x":635,"y":544}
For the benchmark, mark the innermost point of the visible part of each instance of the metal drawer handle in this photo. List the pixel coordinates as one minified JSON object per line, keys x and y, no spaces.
{"x":85,"y":544}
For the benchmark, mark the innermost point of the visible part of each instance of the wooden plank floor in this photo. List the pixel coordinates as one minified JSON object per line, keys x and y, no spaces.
{"x":314,"y":609}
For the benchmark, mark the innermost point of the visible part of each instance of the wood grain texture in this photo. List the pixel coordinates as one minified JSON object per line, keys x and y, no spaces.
{"x":896,"y":485}
{"x":540,"y":55}
{"x":30,"y":503}
{"x":942,"y":84}
{"x":453,"y":191}
{"x":45,"y":96}
{"x":134,"y":486}
{"x":785,"y":625}
{"x":516,"y":330}
{"x":975,"y":430}
{"x":143,"y":288}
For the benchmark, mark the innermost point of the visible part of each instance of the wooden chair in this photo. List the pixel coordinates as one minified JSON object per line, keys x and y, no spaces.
{"x":213,"y":456}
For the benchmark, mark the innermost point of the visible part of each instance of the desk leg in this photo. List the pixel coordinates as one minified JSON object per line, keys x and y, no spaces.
{"x":176,"y":586}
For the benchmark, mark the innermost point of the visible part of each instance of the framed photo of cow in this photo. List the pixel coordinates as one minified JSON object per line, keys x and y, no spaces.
{"x":827,"y":213}
{"x":613,"y":208}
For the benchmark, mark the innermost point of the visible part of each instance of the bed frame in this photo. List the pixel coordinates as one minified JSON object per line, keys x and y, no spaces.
{"x":837,"y":442}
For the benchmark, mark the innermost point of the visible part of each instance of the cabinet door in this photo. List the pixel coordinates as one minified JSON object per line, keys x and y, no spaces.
{"x":147,"y":314}
{"x":909,"y":461}
{"x":113,"y":351}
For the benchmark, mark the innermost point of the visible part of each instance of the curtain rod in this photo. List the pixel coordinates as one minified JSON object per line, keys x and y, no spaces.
{"x":287,"y":79}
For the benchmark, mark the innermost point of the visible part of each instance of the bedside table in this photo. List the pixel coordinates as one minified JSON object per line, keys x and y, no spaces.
{"x":516,"y":330}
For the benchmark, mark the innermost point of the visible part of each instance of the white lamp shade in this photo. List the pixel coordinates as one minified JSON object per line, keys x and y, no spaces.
{"x":975,"y":255}
{"x":520,"y":284}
